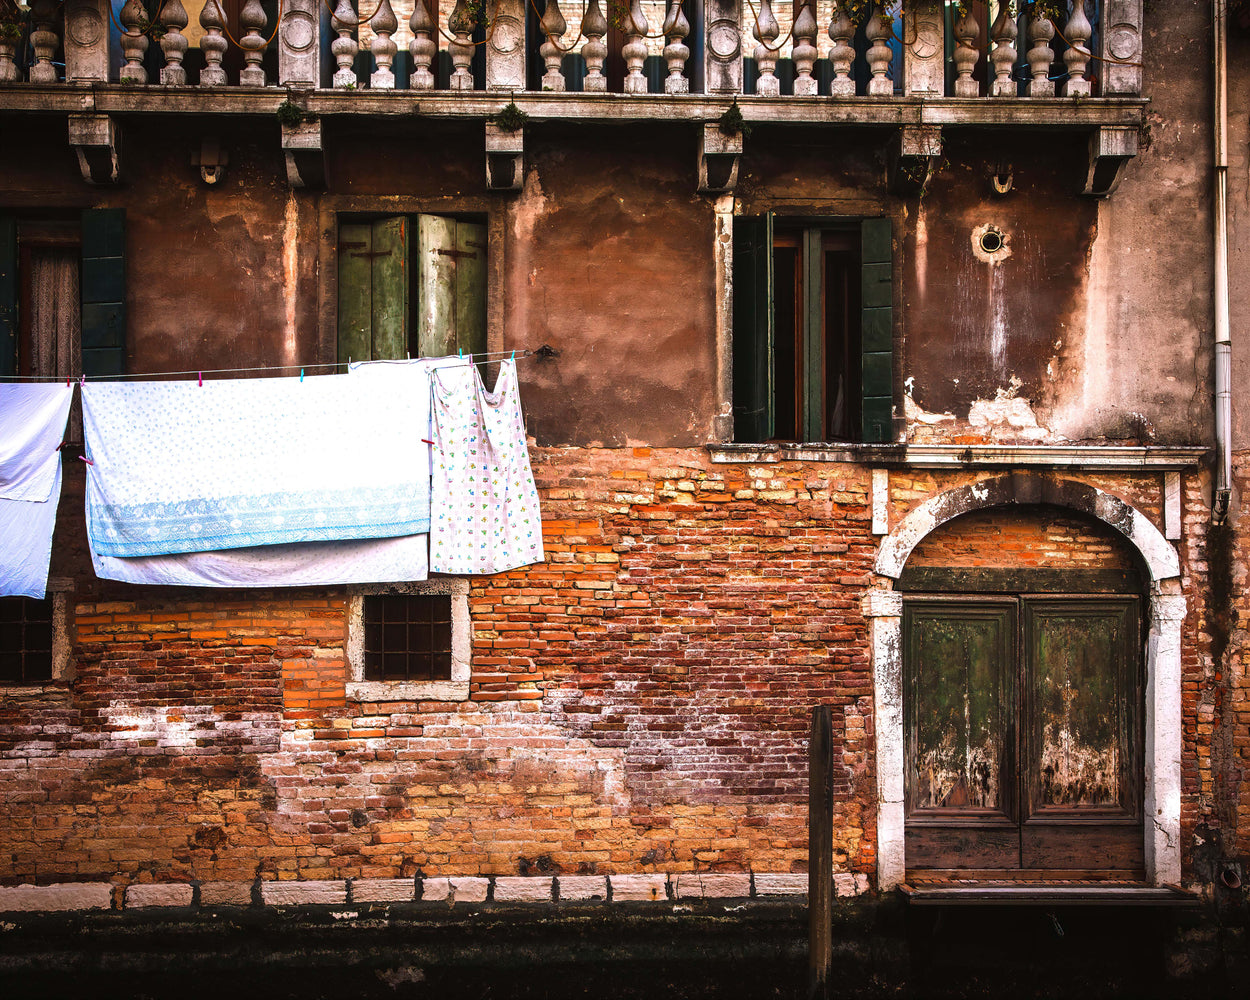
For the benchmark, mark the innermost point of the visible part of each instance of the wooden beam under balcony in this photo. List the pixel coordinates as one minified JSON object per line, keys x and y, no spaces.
{"x":122,"y":99}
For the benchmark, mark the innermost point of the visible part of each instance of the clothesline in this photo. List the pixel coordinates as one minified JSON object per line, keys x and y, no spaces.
{"x":476,"y":359}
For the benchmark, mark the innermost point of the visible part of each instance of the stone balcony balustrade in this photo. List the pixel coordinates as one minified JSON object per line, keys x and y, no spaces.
{"x":919,"y":65}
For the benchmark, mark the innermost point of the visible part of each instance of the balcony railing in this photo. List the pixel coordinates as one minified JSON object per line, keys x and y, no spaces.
{"x":801,"y":48}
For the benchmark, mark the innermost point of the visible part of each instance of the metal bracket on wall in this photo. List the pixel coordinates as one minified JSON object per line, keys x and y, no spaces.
{"x":913,"y":155}
{"x":97,"y":141}
{"x":505,"y":158}
{"x":305,"y":159}
{"x":718,"y":160}
{"x":1110,"y":149}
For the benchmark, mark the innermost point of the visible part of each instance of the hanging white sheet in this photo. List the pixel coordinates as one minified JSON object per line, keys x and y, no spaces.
{"x":32,"y":426}
{"x":304,"y":564}
{"x":484,"y":515}
{"x":240,"y":463}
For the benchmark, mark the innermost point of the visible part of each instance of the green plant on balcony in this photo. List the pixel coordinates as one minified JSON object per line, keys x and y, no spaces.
{"x":12,"y":20}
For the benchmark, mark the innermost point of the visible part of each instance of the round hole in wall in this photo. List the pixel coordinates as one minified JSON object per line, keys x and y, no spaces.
{"x":991,"y":241}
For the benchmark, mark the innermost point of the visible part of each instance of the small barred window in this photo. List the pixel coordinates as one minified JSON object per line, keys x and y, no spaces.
{"x":407,"y":637}
{"x":25,"y":640}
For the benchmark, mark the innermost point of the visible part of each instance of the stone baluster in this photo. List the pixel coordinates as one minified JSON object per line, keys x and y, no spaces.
{"x":676,"y":52}
{"x":965,"y":55}
{"x":766,"y":31}
{"x":8,"y":61}
{"x":384,"y":24}
{"x":253,"y":43}
{"x":635,"y":49}
{"x":173,"y":43}
{"x":423,"y":48}
{"x":134,"y":43}
{"x":344,"y":48}
{"x":842,"y":55}
{"x":594,"y":26}
{"x":213,"y":44}
{"x":1077,"y":32}
{"x":44,"y":40}
{"x":461,"y":24}
{"x":805,"y":51}
{"x":878,"y":31}
{"x":1003,"y":32}
{"x":553,"y":27}
{"x":1040,"y":56}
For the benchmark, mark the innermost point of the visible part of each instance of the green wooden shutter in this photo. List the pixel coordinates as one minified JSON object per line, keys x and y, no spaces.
{"x":754,"y":398}
{"x":8,"y":295}
{"x":373,"y":289}
{"x":877,"y":329}
{"x":813,"y":335}
{"x":355,"y":317}
{"x":451,"y":282}
{"x":389,"y":274}
{"x":104,"y":291}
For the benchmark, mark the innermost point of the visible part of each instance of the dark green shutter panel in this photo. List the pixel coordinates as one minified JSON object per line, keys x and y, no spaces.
{"x":389,"y":306}
{"x":8,"y":295}
{"x":104,"y":291}
{"x":754,"y":410}
{"x":355,"y":317}
{"x":813,"y":335}
{"x":877,"y":329}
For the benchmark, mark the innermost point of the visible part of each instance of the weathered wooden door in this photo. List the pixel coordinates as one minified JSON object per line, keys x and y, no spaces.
{"x":1023,"y":733}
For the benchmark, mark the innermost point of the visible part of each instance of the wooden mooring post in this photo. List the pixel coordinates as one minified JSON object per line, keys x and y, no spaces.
{"x":820,"y":853}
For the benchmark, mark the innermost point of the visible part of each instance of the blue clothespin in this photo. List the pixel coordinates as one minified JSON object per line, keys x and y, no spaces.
{"x":301,"y":374}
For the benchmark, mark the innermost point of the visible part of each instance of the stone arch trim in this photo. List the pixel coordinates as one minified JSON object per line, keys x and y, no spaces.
{"x":883,"y":609}
{"x":1030,"y":489}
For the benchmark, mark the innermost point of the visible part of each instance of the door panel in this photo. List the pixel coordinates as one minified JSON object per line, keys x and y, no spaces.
{"x":1082,"y":791}
{"x":960,"y":746}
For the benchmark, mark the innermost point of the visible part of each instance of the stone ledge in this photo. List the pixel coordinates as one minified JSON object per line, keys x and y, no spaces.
{"x":303,"y":893}
{"x":159,"y":894}
{"x":582,"y":888}
{"x":638,"y":888}
{"x":781,"y":885}
{"x":60,"y":897}
{"x":384,"y":890}
{"x":522,"y":889}
{"x":700,"y":885}
{"x":226,"y":894}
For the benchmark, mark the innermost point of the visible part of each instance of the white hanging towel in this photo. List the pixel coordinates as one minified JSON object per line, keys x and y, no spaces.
{"x":240,"y":463}
{"x":303,"y":564}
{"x":484,"y":515}
{"x":32,"y":426}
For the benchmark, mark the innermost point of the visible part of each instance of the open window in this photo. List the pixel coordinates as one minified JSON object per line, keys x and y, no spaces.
{"x":813,"y":329}
{"x":411,"y":286}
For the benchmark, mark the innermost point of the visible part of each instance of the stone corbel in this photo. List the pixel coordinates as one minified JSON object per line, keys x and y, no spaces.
{"x":97,"y":141}
{"x":913,"y":155}
{"x":1110,"y":149}
{"x":718,"y":159}
{"x":505,"y":158}
{"x":305,"y":159}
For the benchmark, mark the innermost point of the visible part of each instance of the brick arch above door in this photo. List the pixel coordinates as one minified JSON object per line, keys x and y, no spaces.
{"x":883,"y":606}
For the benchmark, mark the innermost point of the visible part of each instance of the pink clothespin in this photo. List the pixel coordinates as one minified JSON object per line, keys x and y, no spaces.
{"x":201,"y":375}
{"x":86,"y":459}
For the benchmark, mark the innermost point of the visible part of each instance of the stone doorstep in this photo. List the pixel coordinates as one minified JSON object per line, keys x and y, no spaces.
{"x":650,"y":887}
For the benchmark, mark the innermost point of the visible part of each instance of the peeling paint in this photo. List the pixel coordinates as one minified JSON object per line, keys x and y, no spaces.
{"x":1008,"y":417}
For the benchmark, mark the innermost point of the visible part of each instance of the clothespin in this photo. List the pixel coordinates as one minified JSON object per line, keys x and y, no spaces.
{"x":201,"y":379}
{"x":68,"y":379}
{"x":301,"y":374}
{"x":514,"y":357}
{"x":86,"y":459}
{"x":426,"y":441}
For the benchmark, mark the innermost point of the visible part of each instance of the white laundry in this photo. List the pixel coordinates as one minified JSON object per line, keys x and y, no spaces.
{"x":32,"y":426}
{"x":239,"y":463}
{"x":484,"y":514}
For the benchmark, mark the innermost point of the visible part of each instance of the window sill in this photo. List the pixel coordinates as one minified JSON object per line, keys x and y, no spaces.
{"x":408,"y":691}
{"x":945,"y":456}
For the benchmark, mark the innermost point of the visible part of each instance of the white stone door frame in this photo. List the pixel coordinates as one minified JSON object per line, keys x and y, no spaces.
{"x":883,"y":608}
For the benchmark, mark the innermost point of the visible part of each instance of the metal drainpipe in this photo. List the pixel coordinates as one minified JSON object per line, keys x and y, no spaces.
{"x":1223,"y":336}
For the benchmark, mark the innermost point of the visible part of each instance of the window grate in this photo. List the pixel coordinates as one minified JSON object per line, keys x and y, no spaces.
{"x":25,"y":640}
{"x":407,"y":637}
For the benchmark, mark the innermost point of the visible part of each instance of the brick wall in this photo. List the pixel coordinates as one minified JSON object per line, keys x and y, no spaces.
{"x":639,"y":703}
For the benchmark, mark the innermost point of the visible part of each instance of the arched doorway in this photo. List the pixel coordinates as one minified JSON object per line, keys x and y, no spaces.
{"x":1141,"y":618}
{"x":1022,"y":696}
